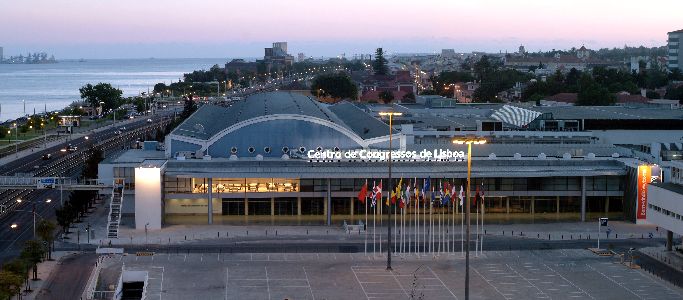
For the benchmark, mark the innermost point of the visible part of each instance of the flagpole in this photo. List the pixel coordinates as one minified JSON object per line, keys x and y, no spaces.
{"x":431,"y":223}
{"x":481,"y":247}
{"x":406,"y":220}
{"x":374,"y":212}
{"x":381,"y":217}
{"x":417,"y":220}
{"x":365,"y":226}
{"x":424,"y":219}
{"x":476,"y":242}
{"x":453,"y":229}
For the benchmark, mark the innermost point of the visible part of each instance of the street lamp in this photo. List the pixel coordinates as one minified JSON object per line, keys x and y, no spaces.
{"x":469,"y":142}
{"x":391,"y":114}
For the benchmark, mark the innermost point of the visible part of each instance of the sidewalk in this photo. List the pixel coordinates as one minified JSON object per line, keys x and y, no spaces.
{"x":178,"y":234}
{"x":45,"y":270}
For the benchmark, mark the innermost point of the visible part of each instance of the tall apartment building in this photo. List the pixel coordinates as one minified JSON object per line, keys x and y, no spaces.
{"x":2,"y":57}
{"x":675,"y":54}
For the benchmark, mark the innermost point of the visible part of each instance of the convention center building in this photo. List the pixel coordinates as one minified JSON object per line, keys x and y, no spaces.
{"x":284,"y":158}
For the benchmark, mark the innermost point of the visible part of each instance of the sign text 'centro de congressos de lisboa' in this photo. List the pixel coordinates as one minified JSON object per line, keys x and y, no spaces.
{"x":383,"y":155}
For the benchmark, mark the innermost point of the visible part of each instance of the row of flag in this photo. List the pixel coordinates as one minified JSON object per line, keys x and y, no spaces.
{"x":403,"y":194}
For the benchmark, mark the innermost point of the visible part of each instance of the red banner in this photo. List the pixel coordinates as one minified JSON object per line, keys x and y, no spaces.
{"x":644,"y":179}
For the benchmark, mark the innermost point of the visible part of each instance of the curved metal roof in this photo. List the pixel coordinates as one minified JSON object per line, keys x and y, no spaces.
{"x":209,"y":119}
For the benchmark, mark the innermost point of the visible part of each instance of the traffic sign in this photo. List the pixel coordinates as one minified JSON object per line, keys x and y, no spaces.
{"x":603,"y":221}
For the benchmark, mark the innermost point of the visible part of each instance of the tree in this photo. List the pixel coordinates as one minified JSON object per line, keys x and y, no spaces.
{"x":386,"y":96}
{"x":65,"y":216}
{"x":591,"y":93}
{"x":380,"y":63}
{"x":101,"y":92}
{"x":159,"y":135}
{"x":10,"y":284}
{"x":90,"y":169}
{"x":409,"y":97}
{"x":33,"y":253}
{"x":19,"y":267}
{"x":337,"y":86}
{"x":675,"y":93}
{"x":46,"y":231}
{"x":160,"y":88}
{"x":189,"y":107}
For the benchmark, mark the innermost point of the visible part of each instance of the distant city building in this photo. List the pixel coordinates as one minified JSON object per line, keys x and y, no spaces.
{"x":371,"y":86}
{"x":301,"y":57}
{"x":277,"y":57}
{"x":674,"y":46}
{"x":548,"y":65}
{"x":650,"y":62}
{"x":2,"y":57}
{"x":447,"y":53}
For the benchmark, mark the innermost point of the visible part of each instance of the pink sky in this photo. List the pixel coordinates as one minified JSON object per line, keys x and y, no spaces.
{"x":240,"y":28}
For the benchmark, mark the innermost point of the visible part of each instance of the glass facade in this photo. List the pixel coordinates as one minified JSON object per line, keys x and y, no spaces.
{"x":304,"y":201}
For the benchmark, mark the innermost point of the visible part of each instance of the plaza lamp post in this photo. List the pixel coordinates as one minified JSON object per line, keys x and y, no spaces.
{"x":390,"y":114}
{"x":469,"y":142}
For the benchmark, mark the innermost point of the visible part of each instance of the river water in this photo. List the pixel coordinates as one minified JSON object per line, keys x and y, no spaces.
{"x":54,"y":86}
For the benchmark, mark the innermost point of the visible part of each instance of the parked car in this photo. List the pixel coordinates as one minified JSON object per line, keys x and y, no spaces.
{"x":47,"y":156}
{"x":149,"y":121}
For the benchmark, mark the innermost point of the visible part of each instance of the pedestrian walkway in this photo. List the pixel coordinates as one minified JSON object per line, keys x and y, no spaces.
{"x":175,"y":234}
{"x":45,"y":270}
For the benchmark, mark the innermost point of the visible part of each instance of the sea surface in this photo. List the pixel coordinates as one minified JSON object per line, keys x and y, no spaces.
{"x":54,"y":86}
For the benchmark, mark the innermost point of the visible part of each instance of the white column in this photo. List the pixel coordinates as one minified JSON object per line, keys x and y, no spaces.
{"x":148,"y":208}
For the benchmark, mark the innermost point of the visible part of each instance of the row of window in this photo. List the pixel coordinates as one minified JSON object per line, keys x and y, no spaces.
{"x":242,"y":185}
{"x":665,"y":212}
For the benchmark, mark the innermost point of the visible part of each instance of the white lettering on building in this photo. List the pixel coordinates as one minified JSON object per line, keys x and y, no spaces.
{"x":383,"y":155}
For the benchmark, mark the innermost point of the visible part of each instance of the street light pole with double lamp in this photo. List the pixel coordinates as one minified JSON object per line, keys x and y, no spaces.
{"x":469,"y":142}
{"x":390,"y":114}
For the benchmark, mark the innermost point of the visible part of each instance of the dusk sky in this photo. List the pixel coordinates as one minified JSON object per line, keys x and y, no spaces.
{"x":227,"y":28}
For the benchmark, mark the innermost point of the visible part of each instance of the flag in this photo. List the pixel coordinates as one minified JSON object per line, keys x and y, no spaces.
{"x":461,"y":195}
{"x":376,"y":193}
{"x":425,"y":189}
{"x":453,"y":192}
{"x":441,"y":194}
{"x":481,"y":192}
{"x":447,"y":194}
{"x":476,"y":195}
{"x":396,"y":193}
{"x":417,"y":191}
{"x":363,"y":193}
{"x":407,"y":193}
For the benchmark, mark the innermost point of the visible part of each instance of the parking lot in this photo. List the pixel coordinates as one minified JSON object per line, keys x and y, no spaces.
{"x":548,"y":274}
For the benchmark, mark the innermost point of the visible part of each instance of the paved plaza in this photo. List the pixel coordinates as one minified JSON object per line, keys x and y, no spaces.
{"x":546,"y":274}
